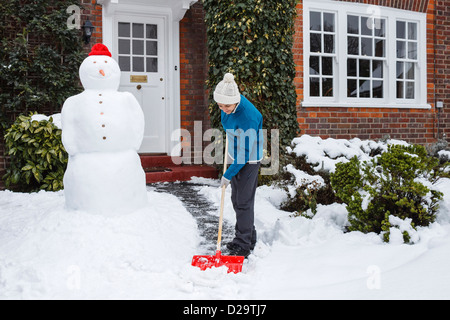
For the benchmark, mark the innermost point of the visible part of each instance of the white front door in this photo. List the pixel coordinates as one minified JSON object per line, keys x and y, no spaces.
{"x":140,"y":52}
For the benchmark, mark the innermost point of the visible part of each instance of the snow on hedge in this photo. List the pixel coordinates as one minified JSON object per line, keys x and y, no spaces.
{"x":325,"y":153}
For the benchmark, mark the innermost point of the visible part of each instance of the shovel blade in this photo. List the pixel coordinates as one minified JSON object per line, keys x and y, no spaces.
{"x":233,"y":263}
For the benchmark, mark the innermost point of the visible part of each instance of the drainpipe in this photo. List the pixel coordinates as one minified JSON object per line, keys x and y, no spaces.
{"x":437,"y":110}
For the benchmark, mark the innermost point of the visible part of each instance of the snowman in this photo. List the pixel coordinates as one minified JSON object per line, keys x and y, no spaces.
{"x":102,"y":129}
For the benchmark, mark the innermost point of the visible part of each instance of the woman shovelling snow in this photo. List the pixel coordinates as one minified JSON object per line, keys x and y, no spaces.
{"x":243,"y":124}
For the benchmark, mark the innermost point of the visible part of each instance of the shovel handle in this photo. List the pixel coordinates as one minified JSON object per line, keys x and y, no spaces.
{"x":219,"y":237}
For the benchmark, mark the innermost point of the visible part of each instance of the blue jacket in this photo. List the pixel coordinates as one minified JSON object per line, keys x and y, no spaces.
{"x":245,"y":136}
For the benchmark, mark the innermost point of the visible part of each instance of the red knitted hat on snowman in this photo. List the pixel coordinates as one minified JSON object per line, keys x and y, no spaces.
{"x":100,"y":50}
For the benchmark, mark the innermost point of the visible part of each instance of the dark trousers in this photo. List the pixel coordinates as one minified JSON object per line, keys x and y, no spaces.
{"x":243,"y":188}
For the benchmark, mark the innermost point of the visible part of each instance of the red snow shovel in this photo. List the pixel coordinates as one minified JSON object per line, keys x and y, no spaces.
{"x":233,"y":263}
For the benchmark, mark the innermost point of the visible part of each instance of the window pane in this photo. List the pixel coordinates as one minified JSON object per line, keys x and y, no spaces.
{"x":314,"y":87}
{"x":377,"y":90}
{"x":329,"y":43}
{"x":327,"y":87}
{"x":353,"y":24}
{"x":124,"y":29}
{"x":138,"y":64}
{"x":125,"y":64}
{"x":401,"y":49}
{"x":152,"y":64}
{"x":124,"y":46}
{"x":366,"y":26}
{"x":328,"y":22}
{"x":353,"y":45}
{"x":366,"y":46}
{"x":352,"y":90}
{"x":364,"y":88}
{"x":138,"y":30}
{"x":400,"y":70}
{"x":380,"y":27}
{"x":315,"y":19}
{"x":380,"y":48}
{"x":152,"y":31}
{"x":364,"y":68}
{"x":351,"y":67}
{"x":409,"y":94}
{"x":327,"y":66}
{"x":314,"y":65}
{"x":377,"y":69}
{"x":409,"y":70}
{"x":138,"y":47}
{"x":412,"y":31}
{"x":412,"y":50}
{"x":401,"y":30}
{"x":316,"y":42}
{"x":400,"y":90}
{"x":152,"y":48}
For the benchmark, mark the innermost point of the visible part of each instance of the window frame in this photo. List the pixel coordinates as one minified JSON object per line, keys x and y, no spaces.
{"x":391,"y":15}
{"x":324,"y":55}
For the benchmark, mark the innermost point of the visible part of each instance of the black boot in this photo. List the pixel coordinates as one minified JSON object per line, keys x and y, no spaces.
{"x":237,"y":250}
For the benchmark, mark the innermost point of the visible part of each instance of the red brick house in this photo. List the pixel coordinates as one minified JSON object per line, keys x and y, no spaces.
{"x":364,"y":68}
{"x":382,"y":69}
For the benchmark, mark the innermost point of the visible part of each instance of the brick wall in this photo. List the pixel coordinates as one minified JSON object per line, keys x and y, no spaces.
{"x":413,"y":125}
{"x":193,"y":73}
{"x":93,"y":12}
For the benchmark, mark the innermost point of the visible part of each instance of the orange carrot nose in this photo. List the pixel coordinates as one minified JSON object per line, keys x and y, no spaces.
{"x":102,"y":72}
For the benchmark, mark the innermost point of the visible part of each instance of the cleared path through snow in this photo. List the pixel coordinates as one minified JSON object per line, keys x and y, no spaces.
{"x":203,"y":210}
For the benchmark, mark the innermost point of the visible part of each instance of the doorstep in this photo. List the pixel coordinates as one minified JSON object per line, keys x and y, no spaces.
{"x":160,"y":168}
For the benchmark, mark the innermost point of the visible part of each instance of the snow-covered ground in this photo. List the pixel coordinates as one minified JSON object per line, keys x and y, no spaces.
{"x":47,"y":252}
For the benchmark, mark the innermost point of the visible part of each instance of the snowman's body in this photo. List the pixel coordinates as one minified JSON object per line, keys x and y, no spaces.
{"x":102,"y":129}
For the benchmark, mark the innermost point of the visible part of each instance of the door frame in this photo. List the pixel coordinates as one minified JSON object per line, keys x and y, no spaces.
{"x":172,"y":58}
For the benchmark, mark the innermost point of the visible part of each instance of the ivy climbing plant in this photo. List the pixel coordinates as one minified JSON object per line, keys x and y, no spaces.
{"x":253,"y":39}
{"x":39,"y":57}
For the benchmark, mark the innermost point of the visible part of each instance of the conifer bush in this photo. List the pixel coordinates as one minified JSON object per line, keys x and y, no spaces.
{"x":398,"y":183}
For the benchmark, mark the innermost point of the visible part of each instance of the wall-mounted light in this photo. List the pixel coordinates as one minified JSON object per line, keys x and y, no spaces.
{"x":88,"y":29}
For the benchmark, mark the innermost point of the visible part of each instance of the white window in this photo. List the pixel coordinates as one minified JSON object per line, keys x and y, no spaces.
{"x":138,"y":47}
{"x":359,"y":55}
{"x":322,"y":53}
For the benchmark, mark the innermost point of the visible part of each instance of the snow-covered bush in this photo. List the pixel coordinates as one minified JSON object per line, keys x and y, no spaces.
{"x":305,"y":188}
{"x":38,"y":159}
{"x":309,"y":162}
{"x":397,"y":183}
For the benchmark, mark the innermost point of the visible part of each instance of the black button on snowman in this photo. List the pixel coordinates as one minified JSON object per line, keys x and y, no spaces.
{"x":102,"y":130}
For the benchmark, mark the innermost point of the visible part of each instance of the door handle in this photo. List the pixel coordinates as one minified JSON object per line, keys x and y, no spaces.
{"x":139,"y":87}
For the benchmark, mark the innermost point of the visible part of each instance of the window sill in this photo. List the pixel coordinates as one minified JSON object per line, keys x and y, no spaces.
{"x":364,"y":105}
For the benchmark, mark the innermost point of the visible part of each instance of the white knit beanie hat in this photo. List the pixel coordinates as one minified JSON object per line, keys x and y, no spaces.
{"x":227,"y":91}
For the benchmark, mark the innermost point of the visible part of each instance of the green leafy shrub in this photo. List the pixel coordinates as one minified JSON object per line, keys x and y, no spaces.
{"x":253,"y":39}
{"x":38,"y":158}
{"x":397,"y":183}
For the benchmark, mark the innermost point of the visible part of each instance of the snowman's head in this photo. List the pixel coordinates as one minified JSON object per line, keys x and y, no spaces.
{"x":99,"y":71}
